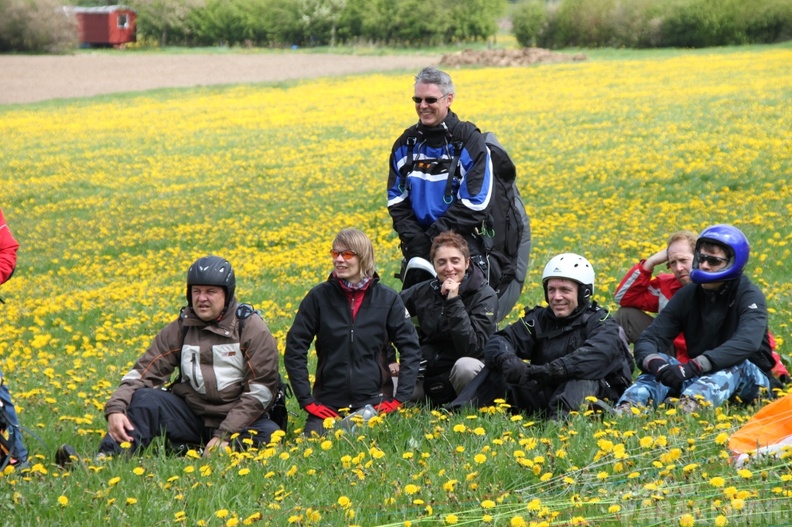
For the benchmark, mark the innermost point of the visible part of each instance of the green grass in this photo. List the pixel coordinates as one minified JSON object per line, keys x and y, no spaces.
{"x":112,"y":197}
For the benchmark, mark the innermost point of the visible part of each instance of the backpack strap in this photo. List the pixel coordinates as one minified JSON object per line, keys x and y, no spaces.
{"x":456,"y":152}
{"x":408,"y":164}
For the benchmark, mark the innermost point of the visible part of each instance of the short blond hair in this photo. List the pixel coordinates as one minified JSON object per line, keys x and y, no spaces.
{"x":689,"y":236}
{"x":357,"y":241}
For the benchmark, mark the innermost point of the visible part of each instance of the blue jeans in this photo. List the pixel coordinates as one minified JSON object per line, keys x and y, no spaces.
{"x":19,"y":453}
{"x":743,"y":380}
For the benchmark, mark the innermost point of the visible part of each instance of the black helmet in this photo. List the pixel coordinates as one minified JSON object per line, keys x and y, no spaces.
{"x":211,"y":270}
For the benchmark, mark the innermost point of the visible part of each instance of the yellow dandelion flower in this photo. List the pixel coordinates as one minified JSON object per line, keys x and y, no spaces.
{"x":138,"y":471}
{"x":721,"y":520}
{"x":687,"y":520}
{"x":450,"y":485}
{"x":344,"y":501}
{"x":411,"y":489}
{"x":460,"y":428}
{"x":125,"y":444}
{"x":63,"y":501}
{"x":479,"y":431}
{"x":222,"y":513}
{"x":722,"y":438}
{"x":517,"y":521}
{"x":292,"y":471}
{"x":738,"y":504}
{"x":114,"y":481}
{"x":745,"y":473}
{"x":613,"y":509}
{"x":480,"y":458}
{"x":189,"y":469}
{"x":717,"y":481}
{"x":487,"y":504}
{"x":451,"y":519}
{"x":131,"y":501}
{"x":232,"y":522}
{"x":244,"y":472}
{"x":326,"y":444}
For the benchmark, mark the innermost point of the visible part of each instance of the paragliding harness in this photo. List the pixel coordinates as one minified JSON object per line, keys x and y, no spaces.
{"x":278,"y":412}
{"x":9,"y":429}
{"x":501,"y":245}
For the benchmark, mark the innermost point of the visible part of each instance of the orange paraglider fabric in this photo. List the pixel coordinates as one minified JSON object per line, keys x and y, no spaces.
{"x":770,"y":425}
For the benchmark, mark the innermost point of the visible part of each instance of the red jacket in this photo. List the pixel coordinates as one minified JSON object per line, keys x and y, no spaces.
{"x":8,"y":251}
{"x":640,"y":290}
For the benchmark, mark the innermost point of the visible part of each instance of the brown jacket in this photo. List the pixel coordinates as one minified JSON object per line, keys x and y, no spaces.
{"x":228,"y":380}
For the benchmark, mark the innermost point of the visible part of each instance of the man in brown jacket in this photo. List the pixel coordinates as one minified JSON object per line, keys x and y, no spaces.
{"x":227,"y":381}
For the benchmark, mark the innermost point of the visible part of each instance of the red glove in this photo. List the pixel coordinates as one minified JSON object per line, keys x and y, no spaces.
{"x":387,"y":407}
{"x":321,"y":411}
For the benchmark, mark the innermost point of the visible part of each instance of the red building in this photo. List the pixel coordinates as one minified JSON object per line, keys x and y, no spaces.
{"x":111,"y":25}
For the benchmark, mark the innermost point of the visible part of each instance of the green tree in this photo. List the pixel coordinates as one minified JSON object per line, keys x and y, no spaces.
{"x":161,"y":17}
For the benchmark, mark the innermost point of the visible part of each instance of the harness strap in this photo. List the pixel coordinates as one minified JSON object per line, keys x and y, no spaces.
{"x":456,"y":148}
{"x":408,"y":164}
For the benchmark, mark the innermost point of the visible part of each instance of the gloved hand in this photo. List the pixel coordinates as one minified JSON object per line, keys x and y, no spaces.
{"x":494,"y":351}
{"x":514,"y":369}
{"x":675,"y":376}
{"x":321,"y":411}
{"x":655,"y":365}
{"x":387,"y":407}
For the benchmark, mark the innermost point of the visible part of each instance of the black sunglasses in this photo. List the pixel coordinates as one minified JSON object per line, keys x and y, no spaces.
{"x":711,"y":260}
{"x":429,"y":100}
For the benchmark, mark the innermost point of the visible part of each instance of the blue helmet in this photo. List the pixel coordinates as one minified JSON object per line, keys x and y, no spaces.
{"x":737,"y":250}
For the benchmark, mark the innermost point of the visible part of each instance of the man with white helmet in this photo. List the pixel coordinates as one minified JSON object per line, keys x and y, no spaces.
{"x":575,"y":350}
{"x":723,"y":317}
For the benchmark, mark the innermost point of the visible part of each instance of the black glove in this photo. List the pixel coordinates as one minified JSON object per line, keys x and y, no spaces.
{"x":493,"y":350}
{"x":675,"y":376}
{"x":514,"y":369}
{"x":655,"y":365}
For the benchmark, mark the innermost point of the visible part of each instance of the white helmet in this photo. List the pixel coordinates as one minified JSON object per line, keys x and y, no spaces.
{"x":573,"y":267}
{"x":418,"y":269}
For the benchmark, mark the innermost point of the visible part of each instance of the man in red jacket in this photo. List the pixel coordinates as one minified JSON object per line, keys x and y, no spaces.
{"x":17,"y":454}
{"x":640,"y":292}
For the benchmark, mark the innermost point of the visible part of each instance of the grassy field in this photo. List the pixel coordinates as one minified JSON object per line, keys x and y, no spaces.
{"x":112,"y":198}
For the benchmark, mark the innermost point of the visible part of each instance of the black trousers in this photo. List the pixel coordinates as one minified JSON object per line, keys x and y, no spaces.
{"x":155,"y":413}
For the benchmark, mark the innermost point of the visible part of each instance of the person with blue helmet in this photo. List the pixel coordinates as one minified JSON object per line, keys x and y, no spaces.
{"x":723,"y":317}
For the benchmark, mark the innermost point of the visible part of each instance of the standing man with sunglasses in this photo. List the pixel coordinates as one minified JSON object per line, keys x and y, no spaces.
{"x":723,"y":317}
{"x":440,"y":171}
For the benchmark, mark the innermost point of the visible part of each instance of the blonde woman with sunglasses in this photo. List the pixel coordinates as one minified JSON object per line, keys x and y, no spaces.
{"x":351,"y":319}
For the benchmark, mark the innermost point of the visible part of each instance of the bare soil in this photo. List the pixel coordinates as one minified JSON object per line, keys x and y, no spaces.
{"x":508,"y":57}
{"x":25,"y":79}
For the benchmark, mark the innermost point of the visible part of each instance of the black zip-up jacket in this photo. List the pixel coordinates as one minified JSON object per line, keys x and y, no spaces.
{"x":455,"y":328}
{"x":727,"y":326}
{"x":585,"y":345}
{"x":352,"y":368}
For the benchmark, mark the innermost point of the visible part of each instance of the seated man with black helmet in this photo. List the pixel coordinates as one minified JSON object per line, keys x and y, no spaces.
{"x":723,"y":317}
{"x":228,"y":376}
{"x":576,"y":350}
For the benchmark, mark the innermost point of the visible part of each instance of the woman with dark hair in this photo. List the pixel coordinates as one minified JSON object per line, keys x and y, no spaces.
{"x":352,"y":319}
{"x":455,"y":314}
